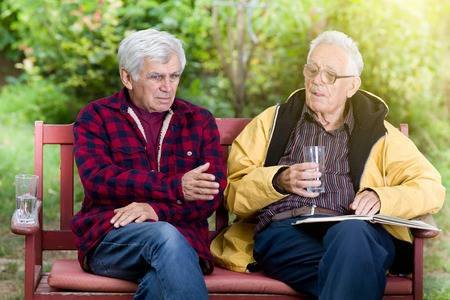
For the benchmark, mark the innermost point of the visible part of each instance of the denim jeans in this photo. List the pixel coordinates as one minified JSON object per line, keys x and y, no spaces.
{"x":344,"y":260}
{"x":156,"y":256}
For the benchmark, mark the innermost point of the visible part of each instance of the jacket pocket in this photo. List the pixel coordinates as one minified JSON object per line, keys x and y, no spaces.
{"x":131,"y":157}
{"x":186,"y":160}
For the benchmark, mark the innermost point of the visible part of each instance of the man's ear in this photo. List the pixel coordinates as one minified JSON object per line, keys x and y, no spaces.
{"x":125,"y":76}
{"x":353,"y":86}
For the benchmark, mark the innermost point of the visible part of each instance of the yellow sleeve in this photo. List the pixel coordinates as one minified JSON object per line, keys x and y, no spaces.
{"x":249,"y":182}
{"x":412,"y":185}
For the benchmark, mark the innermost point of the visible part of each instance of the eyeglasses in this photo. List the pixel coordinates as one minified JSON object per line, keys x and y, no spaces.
{"x":158,"y":77}
{"x":327,"y":76}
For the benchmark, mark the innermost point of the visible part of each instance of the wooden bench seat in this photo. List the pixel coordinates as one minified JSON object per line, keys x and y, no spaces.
{"x":66,"y":274}
{"x":67,"y":280}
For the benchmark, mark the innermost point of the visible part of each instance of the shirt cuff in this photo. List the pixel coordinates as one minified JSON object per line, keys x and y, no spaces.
{"x":278,"y":188}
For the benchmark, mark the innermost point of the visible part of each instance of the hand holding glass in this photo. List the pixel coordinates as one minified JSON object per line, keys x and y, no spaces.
{"x":315,"y":154}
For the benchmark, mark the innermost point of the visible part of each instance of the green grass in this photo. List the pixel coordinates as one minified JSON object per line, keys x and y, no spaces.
{"x":436,"y":262}
{"x":16,"y":151}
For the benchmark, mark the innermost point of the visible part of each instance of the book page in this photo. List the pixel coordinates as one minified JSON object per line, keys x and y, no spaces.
{"x":388,"y":220}
{"x":399,"y":221}
{"x":332,"y":219}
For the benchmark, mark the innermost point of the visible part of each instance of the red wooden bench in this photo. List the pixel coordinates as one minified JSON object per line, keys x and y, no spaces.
{"x":67,"y":280}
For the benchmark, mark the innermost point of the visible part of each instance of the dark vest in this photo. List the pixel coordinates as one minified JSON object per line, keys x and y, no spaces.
{"x":368,"y":112}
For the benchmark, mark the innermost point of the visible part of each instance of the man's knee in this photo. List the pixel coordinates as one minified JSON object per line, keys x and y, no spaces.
{"x":359,"y":240}
{"x":351,"y":230}
{"x":166,"y":236}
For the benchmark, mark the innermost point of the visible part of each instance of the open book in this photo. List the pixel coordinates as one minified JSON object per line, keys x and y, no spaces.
{"x":416,"y":223}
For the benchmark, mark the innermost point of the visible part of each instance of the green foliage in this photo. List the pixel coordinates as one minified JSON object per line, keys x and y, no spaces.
{"x":7,"y":36}
{"x":403,"y":53}
{"x":14,"y":144}
{"x":73,"y":43}
{"x":35,"y":99}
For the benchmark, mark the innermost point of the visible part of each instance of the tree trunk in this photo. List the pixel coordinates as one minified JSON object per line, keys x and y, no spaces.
{"x":235,"y":54}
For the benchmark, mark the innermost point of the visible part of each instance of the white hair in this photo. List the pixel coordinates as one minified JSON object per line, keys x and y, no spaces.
{"x":355,"y":64}
{"x":148,"y":44}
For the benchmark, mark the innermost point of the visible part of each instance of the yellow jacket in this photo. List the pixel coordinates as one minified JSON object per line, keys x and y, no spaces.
{"x":383,"y":160}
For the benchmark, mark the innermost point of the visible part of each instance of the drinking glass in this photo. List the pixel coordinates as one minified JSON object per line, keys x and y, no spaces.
{"x":26,"y":192}
{"x":315,"y":154}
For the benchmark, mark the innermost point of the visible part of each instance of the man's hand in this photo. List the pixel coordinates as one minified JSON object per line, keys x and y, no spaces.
{"x":134,"y":212}
{"x":298,"y":177}
{"x":198,"y":185}
{"x":366,"y":203}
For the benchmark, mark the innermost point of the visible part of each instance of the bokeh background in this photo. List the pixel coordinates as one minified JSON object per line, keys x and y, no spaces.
{"x":243,"y":55}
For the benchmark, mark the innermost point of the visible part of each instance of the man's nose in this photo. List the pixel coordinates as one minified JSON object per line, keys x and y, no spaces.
{"x":165,"y":84}
{"x":318,"y":78}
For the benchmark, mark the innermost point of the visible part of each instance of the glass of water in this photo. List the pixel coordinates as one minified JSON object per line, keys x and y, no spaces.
{"x":315,"y":154}
{"x":26,"y":192}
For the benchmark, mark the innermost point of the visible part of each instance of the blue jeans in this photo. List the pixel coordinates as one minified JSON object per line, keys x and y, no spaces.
{"x":156,"y":256}
{"x":344,"y":260}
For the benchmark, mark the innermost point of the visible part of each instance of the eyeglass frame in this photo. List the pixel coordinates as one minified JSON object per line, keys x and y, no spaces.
{"x":320,"y":71}
{"x":158,"y":77}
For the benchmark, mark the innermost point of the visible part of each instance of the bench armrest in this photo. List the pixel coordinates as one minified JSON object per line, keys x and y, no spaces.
{"x":425,"y":234}
{"x":24,"y":229}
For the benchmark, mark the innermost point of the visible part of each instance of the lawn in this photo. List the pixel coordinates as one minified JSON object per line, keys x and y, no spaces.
{"x":16,"y":152}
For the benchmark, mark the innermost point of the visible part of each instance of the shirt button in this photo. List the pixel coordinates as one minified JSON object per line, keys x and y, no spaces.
{"x":189,"y":153}
{"x":179,"y":202}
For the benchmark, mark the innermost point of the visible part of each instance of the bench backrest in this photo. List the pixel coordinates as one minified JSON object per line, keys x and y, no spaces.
{"x":62,"y":135}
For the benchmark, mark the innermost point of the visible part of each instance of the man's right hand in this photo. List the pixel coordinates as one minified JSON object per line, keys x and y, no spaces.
{"x":298,"y":177}
{"x":199,"y":185}
{"x":137,"y":212}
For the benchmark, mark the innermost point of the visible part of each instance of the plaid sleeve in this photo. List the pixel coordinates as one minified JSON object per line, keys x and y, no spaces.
{"x":103,"y":180}
{"x":200,"y":209}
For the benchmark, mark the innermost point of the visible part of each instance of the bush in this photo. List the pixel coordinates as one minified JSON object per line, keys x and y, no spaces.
{"x":74,"y":44}
{"x":37,"y":99}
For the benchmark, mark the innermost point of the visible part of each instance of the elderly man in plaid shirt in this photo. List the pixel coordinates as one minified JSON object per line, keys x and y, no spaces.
{"x":152,"y":173}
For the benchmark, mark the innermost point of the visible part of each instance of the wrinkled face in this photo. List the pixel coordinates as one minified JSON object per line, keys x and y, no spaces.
{"x":157,"y":84}
{"x":329,"y":98}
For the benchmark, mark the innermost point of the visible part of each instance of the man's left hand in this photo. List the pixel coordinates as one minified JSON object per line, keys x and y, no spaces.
{"x":366,"y":203}
{"x":137,"y":212}
{"x":199,"y":185}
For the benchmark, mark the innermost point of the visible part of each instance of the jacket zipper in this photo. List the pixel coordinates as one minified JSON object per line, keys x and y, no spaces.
{"x":162,"y":134}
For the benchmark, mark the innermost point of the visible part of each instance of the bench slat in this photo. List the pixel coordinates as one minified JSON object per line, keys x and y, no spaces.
{"x":58,"y":134}
{"x":229,"y":128}
{"x":58,"y":240}
{"x":66,"y":192}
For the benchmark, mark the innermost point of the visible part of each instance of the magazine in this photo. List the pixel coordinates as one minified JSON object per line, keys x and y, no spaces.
{"x":382,"y":219}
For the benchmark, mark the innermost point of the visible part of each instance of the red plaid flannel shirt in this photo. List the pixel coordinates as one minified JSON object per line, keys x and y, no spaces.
{"x":114,"y":167}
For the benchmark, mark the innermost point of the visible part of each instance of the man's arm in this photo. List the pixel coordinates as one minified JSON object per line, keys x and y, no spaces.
{"x":250,"y":185}
{"x":198,"y":186}
{"x":196,"y":210}
{"x":412,"y":185}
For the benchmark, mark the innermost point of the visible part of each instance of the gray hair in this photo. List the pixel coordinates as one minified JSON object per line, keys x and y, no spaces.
{"x":152,"y":44}
{"x":355,"y":64}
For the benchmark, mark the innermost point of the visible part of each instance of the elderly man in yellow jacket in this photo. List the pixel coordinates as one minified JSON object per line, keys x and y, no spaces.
{"x":370,"y":167}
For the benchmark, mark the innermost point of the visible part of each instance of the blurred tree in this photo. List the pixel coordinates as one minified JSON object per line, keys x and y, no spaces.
{"x":236,"y":46}
{"x":73,"y":44}
{"x":405,"y":50}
